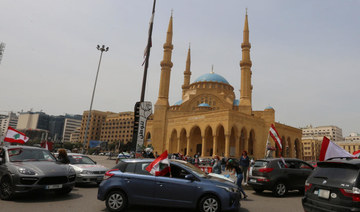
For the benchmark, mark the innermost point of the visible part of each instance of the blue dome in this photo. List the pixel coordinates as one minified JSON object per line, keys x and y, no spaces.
{"x":203,"y":105}
{"x":211,"y":77}
{"x":269,"y":108}
{"x":178,"y":103}
{"x":236,"y":102}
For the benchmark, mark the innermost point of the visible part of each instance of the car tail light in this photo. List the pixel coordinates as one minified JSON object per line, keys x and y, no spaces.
{"x":266,"y":170}
{"x":263,"y":180}
{"x":307,"y":185}
{"x":108,"y":174}
{"x":354,"y":193}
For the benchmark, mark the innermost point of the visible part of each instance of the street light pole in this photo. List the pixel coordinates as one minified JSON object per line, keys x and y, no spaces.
{"x":102,"y":49}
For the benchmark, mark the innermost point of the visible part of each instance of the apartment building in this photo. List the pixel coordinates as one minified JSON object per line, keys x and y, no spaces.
{"x":334,"y":133}
{"x":311,"y":149}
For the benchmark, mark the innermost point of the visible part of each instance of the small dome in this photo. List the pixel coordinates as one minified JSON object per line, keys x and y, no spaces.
{"x":269,"y":108}
{"x":203,"y":105}
{"x":236,"y":102}
{"x":211,"y":77}
{"x":178,"y":103}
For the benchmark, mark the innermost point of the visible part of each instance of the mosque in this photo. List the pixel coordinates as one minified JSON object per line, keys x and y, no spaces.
{"x":209,"y":119}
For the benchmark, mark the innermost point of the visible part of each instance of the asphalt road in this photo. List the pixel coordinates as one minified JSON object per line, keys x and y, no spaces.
{"x":83,"y":198}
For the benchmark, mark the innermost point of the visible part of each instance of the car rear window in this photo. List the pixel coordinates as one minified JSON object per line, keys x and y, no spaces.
{"x":340,"y":172}
{"x":261,"y":163}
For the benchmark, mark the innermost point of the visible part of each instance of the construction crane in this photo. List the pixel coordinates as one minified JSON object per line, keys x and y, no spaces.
{"x":2,"y":48}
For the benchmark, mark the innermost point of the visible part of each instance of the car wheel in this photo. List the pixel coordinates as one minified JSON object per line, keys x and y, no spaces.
{"x":280,"y":189}
{"x":116,"y":201}
{"x":64,"y":191}
{"x":6,"y":189}
{"x":258,"y":190}
{"x":209,"y":204}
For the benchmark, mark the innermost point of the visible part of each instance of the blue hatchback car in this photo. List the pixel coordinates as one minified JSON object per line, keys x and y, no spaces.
{"x":128,"y":183}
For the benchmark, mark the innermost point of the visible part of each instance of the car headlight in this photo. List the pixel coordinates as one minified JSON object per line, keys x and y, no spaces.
{"x":86,"y":172}
{"x":26,"y":171}
{"x":229,"y":189}
{"x":71,"y":170}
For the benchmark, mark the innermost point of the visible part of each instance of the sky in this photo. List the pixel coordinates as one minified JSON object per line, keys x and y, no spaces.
{"x":305,"y":54}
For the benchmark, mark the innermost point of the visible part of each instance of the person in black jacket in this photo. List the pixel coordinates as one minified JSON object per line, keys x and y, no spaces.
{"x":62,"y":157}
{"x":234,"y":168}
{"x":244,"y":165}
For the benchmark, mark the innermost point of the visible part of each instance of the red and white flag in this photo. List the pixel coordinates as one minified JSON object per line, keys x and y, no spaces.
{"x":329,"y":150}
{"x":14,"y":136}
{"x":275,"y":135}
{"x":356,"y":153}
{"x":160,"y":166}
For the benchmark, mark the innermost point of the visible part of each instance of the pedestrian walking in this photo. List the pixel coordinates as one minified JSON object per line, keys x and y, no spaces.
{"x":234,"y":169}
{"x":217,"y":165}
{"x":244,"y":165}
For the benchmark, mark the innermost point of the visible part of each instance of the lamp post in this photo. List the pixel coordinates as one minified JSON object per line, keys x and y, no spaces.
{"x":101,"y":49}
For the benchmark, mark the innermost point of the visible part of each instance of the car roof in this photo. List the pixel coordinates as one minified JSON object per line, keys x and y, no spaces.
{"x":353,"y":161}
{"x":277,"y":159}
{"x":21,"y":146}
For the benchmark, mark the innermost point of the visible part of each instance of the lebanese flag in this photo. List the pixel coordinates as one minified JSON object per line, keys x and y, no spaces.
{"x":275,"y":135}
{"x":160,"y":166}
{"x":329,"y":150}
{"x":356,"y":153}
{"x":14,"y":136}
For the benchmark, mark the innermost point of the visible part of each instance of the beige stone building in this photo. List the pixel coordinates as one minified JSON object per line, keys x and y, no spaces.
{"x":209,"y":119}
{"x":350,"y":146}
{"x":334,"y":133}
{"x":118,"y":127}
{"x":97,"y":118}
{"x":311,"y":149}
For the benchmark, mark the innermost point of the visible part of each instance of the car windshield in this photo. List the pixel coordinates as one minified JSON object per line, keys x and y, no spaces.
{"x":23,"y":155}
{"x":195,"y":170}
{"x":80,"y":159}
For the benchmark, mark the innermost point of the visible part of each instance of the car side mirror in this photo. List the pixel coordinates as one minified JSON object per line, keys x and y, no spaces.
{"x":95,"y":162}
{"x":190,"y":177}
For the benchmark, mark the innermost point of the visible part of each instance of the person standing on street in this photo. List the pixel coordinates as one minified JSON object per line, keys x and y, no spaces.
{"x":217,"y":165}
{"x":244,"y":165}
{"x":234,"y":168}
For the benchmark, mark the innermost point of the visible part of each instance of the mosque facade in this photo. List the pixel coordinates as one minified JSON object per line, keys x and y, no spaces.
{"x":209,"y":119}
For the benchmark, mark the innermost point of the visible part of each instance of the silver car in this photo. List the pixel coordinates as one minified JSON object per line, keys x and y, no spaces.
{"x":87,"y":170}
{"x":25,"y":168}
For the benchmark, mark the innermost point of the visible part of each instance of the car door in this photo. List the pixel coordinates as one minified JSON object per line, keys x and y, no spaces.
{"x":175,"y":190}
{"x":139,"y":183}
{"x":295,"y":174}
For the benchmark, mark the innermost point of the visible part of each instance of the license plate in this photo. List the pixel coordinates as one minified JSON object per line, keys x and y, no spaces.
{"x":324,"y":193}
{"x":53,"y":186}
{"x":253,"y":180}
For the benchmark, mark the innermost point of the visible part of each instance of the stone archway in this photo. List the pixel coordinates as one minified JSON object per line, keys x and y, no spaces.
{"x":195,"y":141}
{"x":251,"y":142}
{"x":220,"y":140}
{"x":297,"y":148}
{"x":283,"y":144}
{"x":242,"y":140}
{"x":208,"y":142}
{"x":173,"y":143}
{"x":290,"y":149}
{"x":234,"y":145}
{"x":183,"y":142}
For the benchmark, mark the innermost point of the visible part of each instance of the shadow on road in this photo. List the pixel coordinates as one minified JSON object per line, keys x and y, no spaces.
{"x":270,"y":194}
{"x":45,"y":197}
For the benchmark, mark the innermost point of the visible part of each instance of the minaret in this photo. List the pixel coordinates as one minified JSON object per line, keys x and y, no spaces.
{"x":166,"y":64}
{"x":187,"y":74}
{"x":245,"y":65}
{"x":162,"y":104}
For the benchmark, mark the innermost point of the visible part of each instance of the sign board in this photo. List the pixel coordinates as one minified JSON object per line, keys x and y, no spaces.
{"x":144,"y":111}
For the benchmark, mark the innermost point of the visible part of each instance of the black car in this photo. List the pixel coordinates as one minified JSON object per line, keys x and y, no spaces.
{"x":272,"y":174}
{"x":24,"y":169}
{"x":333,"y":186}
